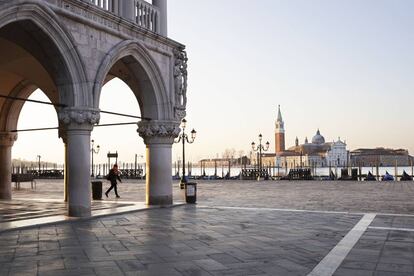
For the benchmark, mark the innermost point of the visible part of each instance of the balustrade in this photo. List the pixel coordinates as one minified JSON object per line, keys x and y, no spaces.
{"x":140,"y":12}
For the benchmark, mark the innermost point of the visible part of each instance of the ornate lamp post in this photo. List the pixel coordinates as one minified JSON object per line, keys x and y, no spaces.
{"x":260,"y":148}
{"x":94,"y":150}
{"x":184,"y":138}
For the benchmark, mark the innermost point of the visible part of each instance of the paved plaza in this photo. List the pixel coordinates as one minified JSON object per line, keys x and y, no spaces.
{"x":236,"y":228}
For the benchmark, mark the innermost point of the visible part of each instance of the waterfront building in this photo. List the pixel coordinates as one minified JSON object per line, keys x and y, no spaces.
{"x":316,"y":153}
{"x":219,"y":162}
{"x":279,"y":133}
{"x":382,"y":157}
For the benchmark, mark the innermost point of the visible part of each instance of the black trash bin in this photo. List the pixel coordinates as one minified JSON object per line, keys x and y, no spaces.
{"x":97,"y":190}
{"x":191,"y":192}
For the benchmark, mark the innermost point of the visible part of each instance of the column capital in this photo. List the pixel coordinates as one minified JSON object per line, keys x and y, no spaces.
{"x":78,"y":118}
{"x":62,"y":133}
{"x":7,"y":138}
{"x":159,"y":132}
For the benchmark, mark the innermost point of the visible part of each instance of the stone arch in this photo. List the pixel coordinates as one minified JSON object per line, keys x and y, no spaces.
{"x":143,"y":77}
{"x":11,"y":109}
{"x":37,"y":17}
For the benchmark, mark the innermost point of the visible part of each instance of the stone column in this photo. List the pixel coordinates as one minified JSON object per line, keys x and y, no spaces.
{"x":62,"y":134}
{"x":78,"y":123}
{"x":159,"y":137}
{"x":6,"y":143}
{"x":127,"y":9}
{"x":162,"y":6}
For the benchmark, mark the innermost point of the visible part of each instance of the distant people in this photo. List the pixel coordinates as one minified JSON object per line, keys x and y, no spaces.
{"x":113,"y":176}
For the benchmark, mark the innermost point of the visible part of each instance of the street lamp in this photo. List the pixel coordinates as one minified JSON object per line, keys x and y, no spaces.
{"x":260,"y":148}
{"x":94,"y":150}
{"x":184,"y":138}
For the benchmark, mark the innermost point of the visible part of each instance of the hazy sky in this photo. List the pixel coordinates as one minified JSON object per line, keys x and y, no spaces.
{"x":346,"y":67}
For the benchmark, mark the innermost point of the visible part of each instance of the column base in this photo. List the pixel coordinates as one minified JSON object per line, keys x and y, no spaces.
{"x":160,"y":200}
{"x":79,"y":211}
{"x":5,"y":196}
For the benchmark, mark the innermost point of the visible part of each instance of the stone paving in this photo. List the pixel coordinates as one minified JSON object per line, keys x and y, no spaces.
{"x":237,"y":228}
{"x":24,"y":209}
{"x":378,"y":197}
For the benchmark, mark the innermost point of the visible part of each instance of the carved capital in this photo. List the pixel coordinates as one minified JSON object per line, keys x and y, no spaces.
{"x":62,"y":133}
{"x":78,"y":118}
{"x":7,"y":138}
{"x":158,"y":132}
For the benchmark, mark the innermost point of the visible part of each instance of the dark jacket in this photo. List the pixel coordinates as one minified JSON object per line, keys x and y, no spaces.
{"x":112,"y":176}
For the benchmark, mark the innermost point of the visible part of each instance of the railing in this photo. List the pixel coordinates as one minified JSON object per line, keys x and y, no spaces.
{"x":147,"y":16}
{"x":108,"y":5}
{"x":140,"y":12}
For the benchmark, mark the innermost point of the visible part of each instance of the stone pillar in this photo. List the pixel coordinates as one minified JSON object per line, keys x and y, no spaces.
{"x":162,"y":6}
{"x":127,"y":9}
{"x":78,"y":123}
{"x":159,"y":137}
{"x":6,"y":143}
{"x":62,"y":134}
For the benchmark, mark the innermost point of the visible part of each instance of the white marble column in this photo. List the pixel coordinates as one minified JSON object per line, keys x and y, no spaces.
{"x":78,"y":124}
{"x":159,"y":137}
{"x":162,"y":6}
{"x":6,"y":143}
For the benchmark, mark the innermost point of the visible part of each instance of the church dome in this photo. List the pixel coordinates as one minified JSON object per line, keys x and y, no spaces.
{"x":318,"y":138}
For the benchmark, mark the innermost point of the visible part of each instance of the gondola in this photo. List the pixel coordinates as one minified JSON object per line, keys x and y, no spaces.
{"x":406,"y":177}
{"x":387,"y":177}
{"x":370,"y":177}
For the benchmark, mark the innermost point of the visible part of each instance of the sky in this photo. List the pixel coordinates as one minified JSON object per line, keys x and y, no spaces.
{"x":345,"y":67}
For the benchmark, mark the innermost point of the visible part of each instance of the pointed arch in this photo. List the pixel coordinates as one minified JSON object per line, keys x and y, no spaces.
{"x":143,"y":77}
{"x":68,"y":71}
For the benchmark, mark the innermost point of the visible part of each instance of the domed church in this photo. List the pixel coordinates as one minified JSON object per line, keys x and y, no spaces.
{"x":317,"y":153}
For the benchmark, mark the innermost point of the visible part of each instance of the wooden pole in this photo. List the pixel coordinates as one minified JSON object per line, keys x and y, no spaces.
{"x":396,"y":170}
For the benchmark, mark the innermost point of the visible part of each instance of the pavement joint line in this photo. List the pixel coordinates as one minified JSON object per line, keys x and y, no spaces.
{"x":304,"y":211}
{"x":282,"y":210}
{"x":337,"y":255}
{"x":60,"y":219}
{"x":392,"y":228}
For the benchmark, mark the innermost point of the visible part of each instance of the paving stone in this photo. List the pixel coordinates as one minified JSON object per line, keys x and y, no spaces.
{"x":353,"y":272}
{"x":68,"y":272}
{"x":360,"y":265}
{"x":224,"y":258}
{"x":108,"y":271}
{"x":395,"y":267}
{"x":210,"y":265}
{"x":130,"y":265}
{"x":388,"y":273}
{"x":50,"y":265}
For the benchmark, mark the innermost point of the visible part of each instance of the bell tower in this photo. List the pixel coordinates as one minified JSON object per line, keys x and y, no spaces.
{"x":279,"y":133}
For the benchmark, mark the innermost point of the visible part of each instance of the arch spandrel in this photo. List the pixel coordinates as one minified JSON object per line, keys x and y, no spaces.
{"x":144,"y":78}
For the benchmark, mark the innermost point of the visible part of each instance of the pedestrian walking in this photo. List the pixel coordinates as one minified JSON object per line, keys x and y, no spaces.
{"x":113,"y":176}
